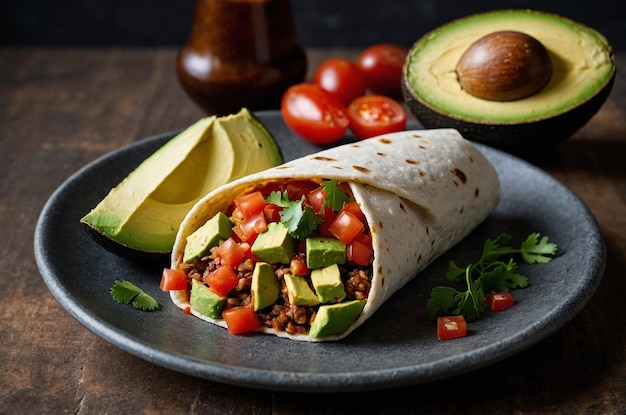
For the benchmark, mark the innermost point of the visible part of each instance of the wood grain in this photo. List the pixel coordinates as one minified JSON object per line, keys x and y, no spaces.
{"x":62,"y":108}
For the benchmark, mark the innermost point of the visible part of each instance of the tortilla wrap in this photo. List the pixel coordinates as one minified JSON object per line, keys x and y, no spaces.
{"x":421,"y":191}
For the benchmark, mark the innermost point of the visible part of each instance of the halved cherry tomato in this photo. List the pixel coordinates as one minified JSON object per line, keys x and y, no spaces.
{"x":342,"y":78}
{"x":173,"y":279}
{"x":314,"y":114}
{"x":500,"y":301}
{"x":372,"y":115}
{"x":232,"y":252}
{"x":451,"y":327}
{"x":346,"y":226}
{"x":251,"y":203}
{"x":382,"y":66}
{"x":241,"y":320}
{"x":360,"y":250}
{"x":222,"y":280}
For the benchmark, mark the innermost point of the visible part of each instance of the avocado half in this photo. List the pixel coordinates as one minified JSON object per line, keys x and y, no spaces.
{"x":582,"y":78}
{"x":139,"y":218}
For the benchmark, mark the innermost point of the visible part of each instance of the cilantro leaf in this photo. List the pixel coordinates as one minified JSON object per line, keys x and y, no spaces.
{"x":335,"y":197}
{"x":489,"y":274}
{"x":128,"y":293}
{"x":299,"y":218}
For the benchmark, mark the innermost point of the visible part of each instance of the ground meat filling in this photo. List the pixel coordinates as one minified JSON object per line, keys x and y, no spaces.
{"x":281,"y":316}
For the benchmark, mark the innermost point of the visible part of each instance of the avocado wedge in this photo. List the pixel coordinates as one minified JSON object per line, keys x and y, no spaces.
{"x":583,"y":72}
{"x":139,"y":218}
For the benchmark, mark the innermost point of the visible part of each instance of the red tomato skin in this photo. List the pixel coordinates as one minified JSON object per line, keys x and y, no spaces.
{"x":232,"y":252}
{"x":250,"y":204}
{"x":355,"y":209}
{"x":500,"y":301}
{"x":173,"y":279}
{"x":346,"y":226}
{"x":341,"y":77}
{"x":360,"y":250}
{"x":373,"y":115}
{"x":382,"y":65}
{"x":316,"y":199}
{"x":298,"y":266}
{"x":314,"y":114}
{"x":451,"y":327}
{"x":241,"y":320}
{"x":222,"y":280}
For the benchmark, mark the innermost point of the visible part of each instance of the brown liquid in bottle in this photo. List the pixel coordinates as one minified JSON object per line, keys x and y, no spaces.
{"x":241,"y":53}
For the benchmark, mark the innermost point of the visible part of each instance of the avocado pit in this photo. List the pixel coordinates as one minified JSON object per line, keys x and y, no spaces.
{"x":504,"y":66}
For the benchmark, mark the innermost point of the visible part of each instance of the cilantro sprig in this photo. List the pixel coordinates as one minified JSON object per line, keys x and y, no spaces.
{"x":128,"y":293}
{"x":297,"y":216}
{"x":494,"y":271}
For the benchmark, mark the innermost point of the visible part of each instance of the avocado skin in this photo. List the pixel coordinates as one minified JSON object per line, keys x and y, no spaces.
{"x":548,"y":131}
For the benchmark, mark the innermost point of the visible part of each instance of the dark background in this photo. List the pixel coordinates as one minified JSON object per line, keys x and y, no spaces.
{"x":320,"y":23}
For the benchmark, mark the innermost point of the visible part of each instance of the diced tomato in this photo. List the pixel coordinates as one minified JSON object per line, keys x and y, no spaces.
{"x":232,"y":252}
{"x":346,"y":226}
{"x":316,"y":198}
{"x":241,"y":320}
{"x":272,"y":212}
{"x":250,"y":204}
{"x":451,"y":327}
{"x":355,"y":209}
{"x":298,"y":266}
{"x":173,"y":279}
{"x":222,"y":280}
{"x":251,"y":227}
{"x":236,"y":215}
{"x":500,"y":301}
{"x":327,"y":220}
{"x":297,"y":189}
{"x":360,"y":250}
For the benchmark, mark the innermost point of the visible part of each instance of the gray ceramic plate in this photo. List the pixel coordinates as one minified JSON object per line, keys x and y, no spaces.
{"x":395,"y":347}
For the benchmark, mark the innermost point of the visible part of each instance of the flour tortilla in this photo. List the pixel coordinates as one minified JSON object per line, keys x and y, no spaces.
{"x":421,"y":191}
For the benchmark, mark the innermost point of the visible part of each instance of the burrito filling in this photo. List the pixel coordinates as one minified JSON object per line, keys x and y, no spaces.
{"x":291,"y":251}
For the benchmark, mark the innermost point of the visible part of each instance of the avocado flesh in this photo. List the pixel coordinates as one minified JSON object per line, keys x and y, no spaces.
{"x":582,"y":61}
{"x":143,"y":212}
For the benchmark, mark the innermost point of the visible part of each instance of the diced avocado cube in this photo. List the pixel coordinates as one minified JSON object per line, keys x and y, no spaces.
{"x":206,"y":237}
{"x":299,"y":291}
{"x":328,"y":284}
{"x":335,"y":318}
{"x":205,"y":301}
{"x":275,"y":245}
{"x":322,"y":251}
{"x":265,"y":286}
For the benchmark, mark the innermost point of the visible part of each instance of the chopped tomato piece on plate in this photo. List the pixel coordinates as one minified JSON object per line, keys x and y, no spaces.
{"x":500,"y":301}
{"x":451,"y":327}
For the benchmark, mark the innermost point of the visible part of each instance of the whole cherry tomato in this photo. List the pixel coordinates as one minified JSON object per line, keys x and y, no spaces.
{"x":382,"y":66}
{"x":372,"y":115}
{"x":341,"y":77}
{"x":314,"y":114}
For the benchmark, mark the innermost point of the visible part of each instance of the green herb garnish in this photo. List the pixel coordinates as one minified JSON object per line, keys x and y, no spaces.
{"x":127,"y":293}
{"x":491,"y":273}
{"x":297,"y":216}
{"x":335,"y":197}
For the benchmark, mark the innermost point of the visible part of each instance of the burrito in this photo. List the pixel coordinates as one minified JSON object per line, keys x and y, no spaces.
{"x":310,"y":249}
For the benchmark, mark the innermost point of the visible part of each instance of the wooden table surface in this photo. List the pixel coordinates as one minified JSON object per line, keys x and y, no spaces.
{"x":61,"y":109}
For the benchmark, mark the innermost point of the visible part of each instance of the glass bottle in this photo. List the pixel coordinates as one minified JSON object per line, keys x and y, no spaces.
{"x":240,"y":53}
